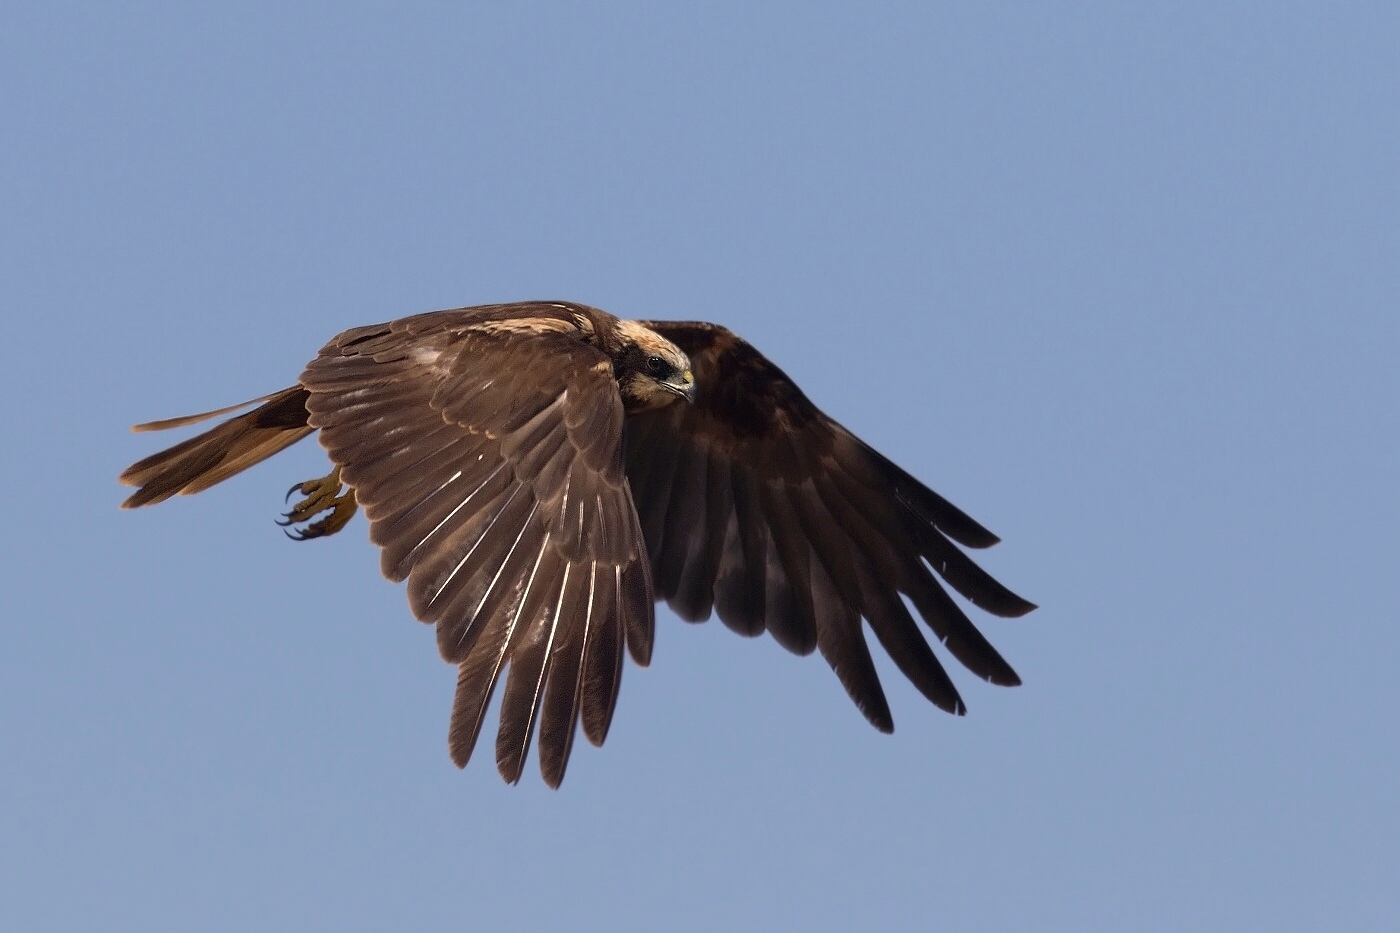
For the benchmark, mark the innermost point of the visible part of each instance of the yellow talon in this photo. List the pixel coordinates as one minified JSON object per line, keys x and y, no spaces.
{"x":322,"y":495}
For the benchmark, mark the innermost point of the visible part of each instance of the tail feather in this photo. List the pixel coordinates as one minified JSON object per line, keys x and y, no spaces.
{"x":228,"y":448}
{"x":185,"y":420}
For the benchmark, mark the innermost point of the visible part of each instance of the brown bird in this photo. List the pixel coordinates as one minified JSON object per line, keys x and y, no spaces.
{"x":541,"y":472}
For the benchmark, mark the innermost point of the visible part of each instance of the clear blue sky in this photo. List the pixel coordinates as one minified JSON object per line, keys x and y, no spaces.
{"x":1121,"y":281}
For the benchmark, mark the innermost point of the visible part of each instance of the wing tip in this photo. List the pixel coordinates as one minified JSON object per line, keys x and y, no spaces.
{"x":510,"y":768}
{"x":979,"y":540}
{"x":552,"y":773}
{"x":1015,"y":608}
{"x":595,"y":731}
{"x":458,"y":748}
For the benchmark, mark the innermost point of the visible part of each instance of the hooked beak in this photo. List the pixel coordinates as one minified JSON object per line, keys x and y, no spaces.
{"x":683,"y":385}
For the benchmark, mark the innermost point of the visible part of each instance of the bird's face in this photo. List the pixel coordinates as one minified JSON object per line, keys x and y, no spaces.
{"x":651,"y":370}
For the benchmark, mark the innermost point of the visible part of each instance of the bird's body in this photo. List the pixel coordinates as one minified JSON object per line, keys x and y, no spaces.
{"x":541,"y":472}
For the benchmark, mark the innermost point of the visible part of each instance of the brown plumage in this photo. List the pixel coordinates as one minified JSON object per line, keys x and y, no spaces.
{"x":540,"y":473}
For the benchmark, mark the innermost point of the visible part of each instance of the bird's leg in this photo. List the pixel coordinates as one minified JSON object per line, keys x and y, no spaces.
{"x":322,"y":495}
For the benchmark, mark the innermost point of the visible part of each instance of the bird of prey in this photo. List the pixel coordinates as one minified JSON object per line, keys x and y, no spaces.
{"x":541,"y":472}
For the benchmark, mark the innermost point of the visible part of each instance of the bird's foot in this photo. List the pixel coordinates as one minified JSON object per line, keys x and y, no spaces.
{"x":322,"y":495}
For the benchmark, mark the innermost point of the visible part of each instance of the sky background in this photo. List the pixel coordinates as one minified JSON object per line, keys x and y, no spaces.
{"x":1121,"y":281}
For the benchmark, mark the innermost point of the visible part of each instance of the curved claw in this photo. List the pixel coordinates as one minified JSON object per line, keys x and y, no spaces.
{"x":295,"y":488}
{"x":325,"y":495}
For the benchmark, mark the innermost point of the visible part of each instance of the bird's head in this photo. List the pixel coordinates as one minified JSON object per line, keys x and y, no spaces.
{"x":651,"y":370}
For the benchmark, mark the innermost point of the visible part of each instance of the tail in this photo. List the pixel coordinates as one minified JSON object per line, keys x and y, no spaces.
{"x":212,"y":457}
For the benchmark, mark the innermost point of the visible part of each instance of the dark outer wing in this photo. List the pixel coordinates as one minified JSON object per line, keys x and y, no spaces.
{"x":756,"y":505}
{"x":489,"y":464}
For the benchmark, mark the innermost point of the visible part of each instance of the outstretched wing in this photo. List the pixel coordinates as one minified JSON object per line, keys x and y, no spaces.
{"x":488,"y":458}
{"x":756,"y":505}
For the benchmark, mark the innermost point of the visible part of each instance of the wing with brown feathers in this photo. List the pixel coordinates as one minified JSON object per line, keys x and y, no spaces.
{"x":488,"y":459}
{"x":756,"y":505}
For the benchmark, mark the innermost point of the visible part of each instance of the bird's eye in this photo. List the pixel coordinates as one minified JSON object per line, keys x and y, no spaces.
{"x":657,"y":366}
